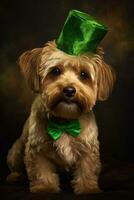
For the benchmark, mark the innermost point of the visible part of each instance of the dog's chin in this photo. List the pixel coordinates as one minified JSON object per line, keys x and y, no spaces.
{"x":67,"y":110}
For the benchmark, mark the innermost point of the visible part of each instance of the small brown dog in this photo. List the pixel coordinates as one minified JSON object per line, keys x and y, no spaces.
{"x":68,"y":87}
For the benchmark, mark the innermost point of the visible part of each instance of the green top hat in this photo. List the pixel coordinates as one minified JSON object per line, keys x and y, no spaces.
{"x":81,"y":33}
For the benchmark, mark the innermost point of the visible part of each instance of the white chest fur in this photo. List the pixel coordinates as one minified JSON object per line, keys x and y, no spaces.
{"x":65,"y":150}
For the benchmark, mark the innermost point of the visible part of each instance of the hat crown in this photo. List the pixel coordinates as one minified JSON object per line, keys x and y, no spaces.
{"x":81,"y":33}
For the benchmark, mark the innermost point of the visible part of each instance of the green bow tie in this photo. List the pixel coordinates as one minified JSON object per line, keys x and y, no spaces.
{"x":55,"y":130}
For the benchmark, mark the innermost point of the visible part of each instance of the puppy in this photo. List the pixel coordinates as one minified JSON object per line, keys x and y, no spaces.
{"x":68,"y":87}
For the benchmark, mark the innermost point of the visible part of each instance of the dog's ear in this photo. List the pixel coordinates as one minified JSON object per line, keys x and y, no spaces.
{"x":29,"y":63}
{"x":105,"y":81}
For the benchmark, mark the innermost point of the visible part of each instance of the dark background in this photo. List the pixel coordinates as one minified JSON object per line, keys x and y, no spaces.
{"x":29,"y":24}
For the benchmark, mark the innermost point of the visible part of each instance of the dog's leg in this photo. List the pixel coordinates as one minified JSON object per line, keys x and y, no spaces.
{"x":15,"y":157}
{"x":41,"y":173}
{"x":86,"y":175}
{"x":15,"y":161}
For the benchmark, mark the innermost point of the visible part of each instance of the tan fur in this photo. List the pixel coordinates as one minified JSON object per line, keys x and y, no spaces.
{"x":40,"y":153}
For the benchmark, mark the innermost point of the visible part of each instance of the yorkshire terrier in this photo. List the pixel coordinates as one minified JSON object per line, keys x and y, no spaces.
{"x":68,"y":87}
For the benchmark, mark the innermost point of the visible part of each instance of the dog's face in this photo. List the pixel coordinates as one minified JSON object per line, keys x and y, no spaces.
{"x":69,"y":85}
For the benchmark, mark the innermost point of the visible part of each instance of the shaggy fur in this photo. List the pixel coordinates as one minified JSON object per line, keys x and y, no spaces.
{"x":40,"y":154}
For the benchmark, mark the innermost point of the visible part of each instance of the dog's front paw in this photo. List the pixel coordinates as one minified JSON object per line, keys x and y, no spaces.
{"x":87,"y":190}
{"x":87,"y":187}
{"x":42,"y":187}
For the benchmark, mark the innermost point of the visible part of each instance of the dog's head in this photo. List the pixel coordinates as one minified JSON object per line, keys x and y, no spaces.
{"x":69,"y":85}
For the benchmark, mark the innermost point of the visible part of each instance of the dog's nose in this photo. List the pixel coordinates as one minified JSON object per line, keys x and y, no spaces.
{"x":69,"y":91}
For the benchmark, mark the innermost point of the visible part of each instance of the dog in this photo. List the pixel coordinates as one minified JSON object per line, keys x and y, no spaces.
{"x":67,"y":88}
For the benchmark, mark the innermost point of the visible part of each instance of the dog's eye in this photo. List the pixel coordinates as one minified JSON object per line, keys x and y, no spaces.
{"x":56,"y":71}
{"x":84,"y":75}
